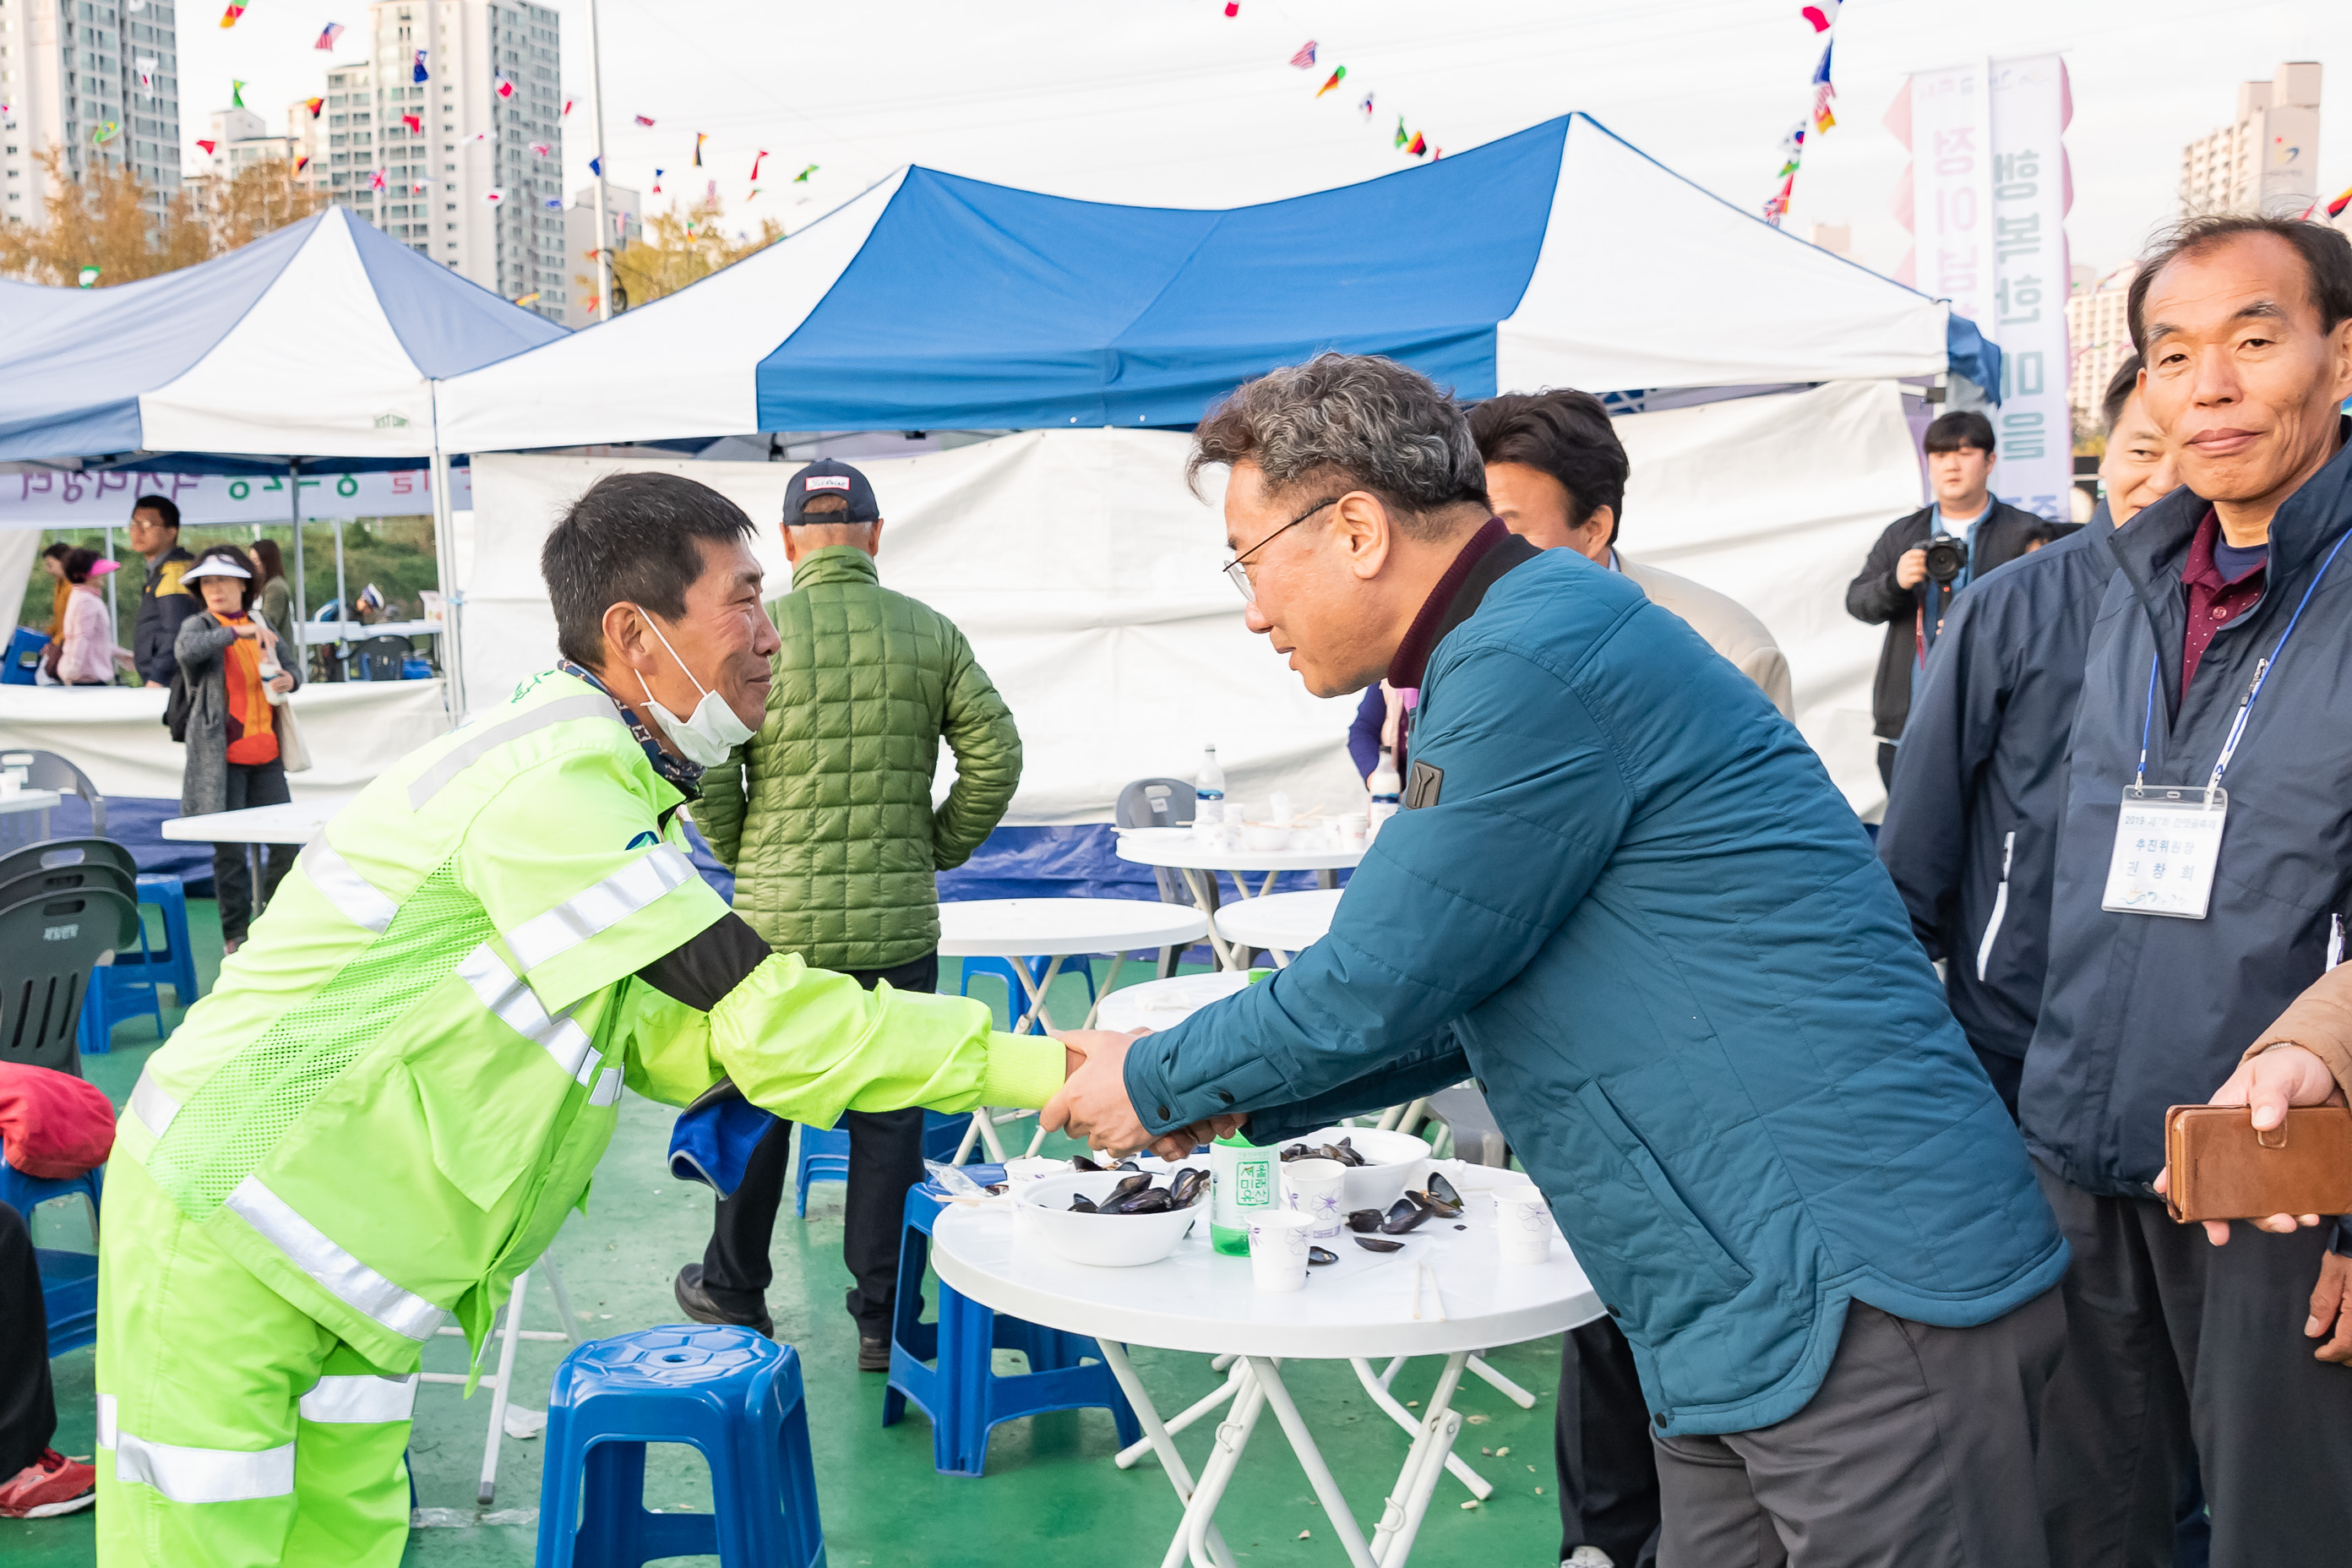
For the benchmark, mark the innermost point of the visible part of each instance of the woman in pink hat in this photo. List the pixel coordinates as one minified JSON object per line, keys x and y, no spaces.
{"x":87,"y":653}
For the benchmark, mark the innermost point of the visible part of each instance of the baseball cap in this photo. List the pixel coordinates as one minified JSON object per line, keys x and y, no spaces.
{"x":827,"y":478}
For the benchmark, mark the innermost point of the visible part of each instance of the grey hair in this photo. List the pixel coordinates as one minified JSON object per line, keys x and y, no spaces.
{"x":1358,"y":419}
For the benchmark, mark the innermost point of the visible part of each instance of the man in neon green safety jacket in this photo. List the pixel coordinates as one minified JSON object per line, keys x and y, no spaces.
{"x":404,"y":1081}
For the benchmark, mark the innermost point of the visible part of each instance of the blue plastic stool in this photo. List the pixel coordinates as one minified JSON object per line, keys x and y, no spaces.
{"x":68,"y":1280}
{"x":823,"y":1156}
{"x":719,"y":1389}
{"x":1016,"y":998}
{"x":964,"y":1396}
{"x":129,"y":985}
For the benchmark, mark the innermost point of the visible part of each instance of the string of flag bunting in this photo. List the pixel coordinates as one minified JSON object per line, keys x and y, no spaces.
{"x":1406,"y":140}
{"x":1822,"y":16}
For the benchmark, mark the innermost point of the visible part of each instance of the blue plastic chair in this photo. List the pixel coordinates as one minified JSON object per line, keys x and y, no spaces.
{"x":823,"y":1156}
{"x":68,"y":1280}
{"x":722,"y":1390}
{"x":1016,"y":998}
{"x":964,"y":1396}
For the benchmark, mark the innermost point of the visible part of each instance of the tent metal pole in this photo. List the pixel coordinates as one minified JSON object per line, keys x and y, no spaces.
{"x":112,"y":617}
{"x":302,"y":599}
{"x":445,"y":556}
{"x":603,"y":222}
{"x":342,"y":605}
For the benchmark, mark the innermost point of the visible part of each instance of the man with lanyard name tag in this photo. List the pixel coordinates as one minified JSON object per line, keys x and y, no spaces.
{"x":2203,"y":868}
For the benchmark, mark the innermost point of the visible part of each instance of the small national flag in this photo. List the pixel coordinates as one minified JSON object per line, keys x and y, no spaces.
{"x":540,"y":148}
{"x":1824,"y":91}
{"x":644,"y":119}
{"x":236,"y":94}
{"x":530,"y":298}
{"x":208,"y":147}
{"x":553,"y":203}
{"x":1367,"y":105}
{"x":1305,"y":58}
{"x":567,"y":107}
{"x":1418,"y":146}
{"x":376,"y":179}
{"x":414,"y":123}
{"x":506,"y":88}
{"x":1232,"y":7}
{"x":147,"y":67}
{"x":106,"y":131}
{"x":756,"y":158}
{"x":1334,"y":80}
{"x":700,"y":138}
{"x":229,"y":16}
{"x":494,"y":195}
{"x":416,"y":72}
{"x":1821,"y":13}
{"x":754,"y":196}
{"x":301,"y":162}
{"x":711,"y":190}
{"x":89,"y":276}
{"x":2336,"y":208}
{"x":1401,"y":137}
{"x":328,"y":34}
{"x":314,"y":105}
{"x":802,"y":177}
{"x":658,"y":179}
{"x":596,"y":167}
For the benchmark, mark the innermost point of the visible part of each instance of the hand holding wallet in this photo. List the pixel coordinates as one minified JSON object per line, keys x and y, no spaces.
{"x":2220,"y":1168}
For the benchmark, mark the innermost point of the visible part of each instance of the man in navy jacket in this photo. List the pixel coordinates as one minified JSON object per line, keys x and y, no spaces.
{"x":2246,"y":326}
{"x":1971,"y":827}
{"x":1624,"y":895}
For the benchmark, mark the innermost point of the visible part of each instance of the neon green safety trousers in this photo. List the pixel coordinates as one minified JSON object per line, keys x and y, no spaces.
{"x":232,"y":1429}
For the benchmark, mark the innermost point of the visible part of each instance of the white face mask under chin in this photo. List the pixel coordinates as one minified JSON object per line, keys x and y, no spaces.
{"x":712,"y":731}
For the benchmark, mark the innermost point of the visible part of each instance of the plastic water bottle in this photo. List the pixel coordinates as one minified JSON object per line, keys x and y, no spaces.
{"x":1241,"y":1185}
{"x":1386,"y":788}
{"x":1210,"y":785}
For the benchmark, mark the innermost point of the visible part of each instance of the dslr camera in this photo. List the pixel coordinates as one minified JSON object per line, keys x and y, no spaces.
{"x":1948,"y":554}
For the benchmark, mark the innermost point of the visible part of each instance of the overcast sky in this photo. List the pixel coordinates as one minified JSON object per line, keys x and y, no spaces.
{"x":1169,"y":103}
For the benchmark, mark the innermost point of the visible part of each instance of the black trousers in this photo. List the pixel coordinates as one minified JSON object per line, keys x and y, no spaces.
{"x":2181,"y":1355}
{"x":28,"y":1410}
{"x":1601,"y":1442}
{"x":885,"y":1158}
{"x":249,"y":784}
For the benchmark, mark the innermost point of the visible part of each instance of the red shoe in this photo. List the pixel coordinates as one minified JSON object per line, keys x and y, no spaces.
{"x":50,"y":1485}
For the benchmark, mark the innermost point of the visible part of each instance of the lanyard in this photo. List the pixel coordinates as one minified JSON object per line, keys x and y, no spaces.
{"x":2253,"y":692}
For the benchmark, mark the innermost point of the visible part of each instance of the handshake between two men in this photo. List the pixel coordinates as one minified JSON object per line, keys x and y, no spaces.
{"x":1093,"y":1103}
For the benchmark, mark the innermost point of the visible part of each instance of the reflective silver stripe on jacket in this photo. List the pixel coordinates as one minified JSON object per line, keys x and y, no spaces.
{"x":511,"y":1000}
{"x":608,"y":1088}
{"x":339,"y":1273}
{"x":361,"y":1399}
{"x":353,"y":896}
{"x":468,"y":751}
{"x":194,"y":1475}
{"x":154,"y":1108}
{"x":600,"y":908}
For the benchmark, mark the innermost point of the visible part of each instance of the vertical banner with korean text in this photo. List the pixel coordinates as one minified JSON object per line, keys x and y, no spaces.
{"x":2029,"y":108}
{"x":1951,"y":173}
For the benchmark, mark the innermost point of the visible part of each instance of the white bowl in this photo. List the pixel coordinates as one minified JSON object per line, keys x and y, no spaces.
{"x":1394,"y":1160}
{"x":1264,"y":839}
{"x":1104,"y":1240}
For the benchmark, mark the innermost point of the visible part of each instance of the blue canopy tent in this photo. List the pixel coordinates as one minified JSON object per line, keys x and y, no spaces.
{"x":1560,"y":256}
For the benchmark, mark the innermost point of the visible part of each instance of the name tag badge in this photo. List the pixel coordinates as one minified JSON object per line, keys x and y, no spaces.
{"x":2167,"y":841}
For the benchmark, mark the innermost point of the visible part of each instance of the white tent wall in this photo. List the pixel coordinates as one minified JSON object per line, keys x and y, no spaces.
{"x":1085,"y":577}
{"x":19,"y":548}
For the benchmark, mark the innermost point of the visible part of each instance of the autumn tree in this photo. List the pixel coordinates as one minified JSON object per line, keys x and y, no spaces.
{"x":108,"y":218}
{"x":676,"y":249}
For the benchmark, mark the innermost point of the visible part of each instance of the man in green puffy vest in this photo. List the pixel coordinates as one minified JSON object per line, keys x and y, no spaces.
{"x":826,"y":817}
{"x":403,"y":1080}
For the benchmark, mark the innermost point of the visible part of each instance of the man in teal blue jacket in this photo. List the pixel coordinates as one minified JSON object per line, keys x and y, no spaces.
{"x":1624,"y":896}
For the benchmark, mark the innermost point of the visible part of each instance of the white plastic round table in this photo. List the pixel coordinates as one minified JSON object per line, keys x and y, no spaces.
{"x":1282,"y":924}
{"x":1446,"y":1293}
{"x":1018,"y":929}
{"x":294,"y":822}
{"x":1199,"y":862}
{"x":1161,"y":1003}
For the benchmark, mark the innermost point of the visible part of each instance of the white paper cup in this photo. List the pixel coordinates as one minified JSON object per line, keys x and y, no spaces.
{"x":1277,"y":1243}
{"x":1523,"y":1224}
{"x":1316,"y":1188}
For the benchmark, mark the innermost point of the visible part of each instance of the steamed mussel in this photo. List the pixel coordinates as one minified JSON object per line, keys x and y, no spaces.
{"x":1364,"y":1219}
{"x":1135,"y":1194}
{"x":1405,"y":1213}
{"x":1321,"y":1255}
{"x":1379,"y":1244}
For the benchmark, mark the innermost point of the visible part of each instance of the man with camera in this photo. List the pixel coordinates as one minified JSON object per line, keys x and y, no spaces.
{"x":1922,"y":560}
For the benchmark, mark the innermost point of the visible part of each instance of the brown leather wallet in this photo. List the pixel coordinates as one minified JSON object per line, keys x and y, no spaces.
{"x":2222,"y":1168}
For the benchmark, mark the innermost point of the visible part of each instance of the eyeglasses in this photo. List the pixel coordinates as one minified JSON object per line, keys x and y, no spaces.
{"x":1239,"y":573}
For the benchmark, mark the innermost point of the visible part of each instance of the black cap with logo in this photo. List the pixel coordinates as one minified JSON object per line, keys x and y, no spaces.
{"x":827,"y":478}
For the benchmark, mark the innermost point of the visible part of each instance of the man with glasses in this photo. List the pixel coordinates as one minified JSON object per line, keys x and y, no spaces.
{"x":1624,"y":896}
